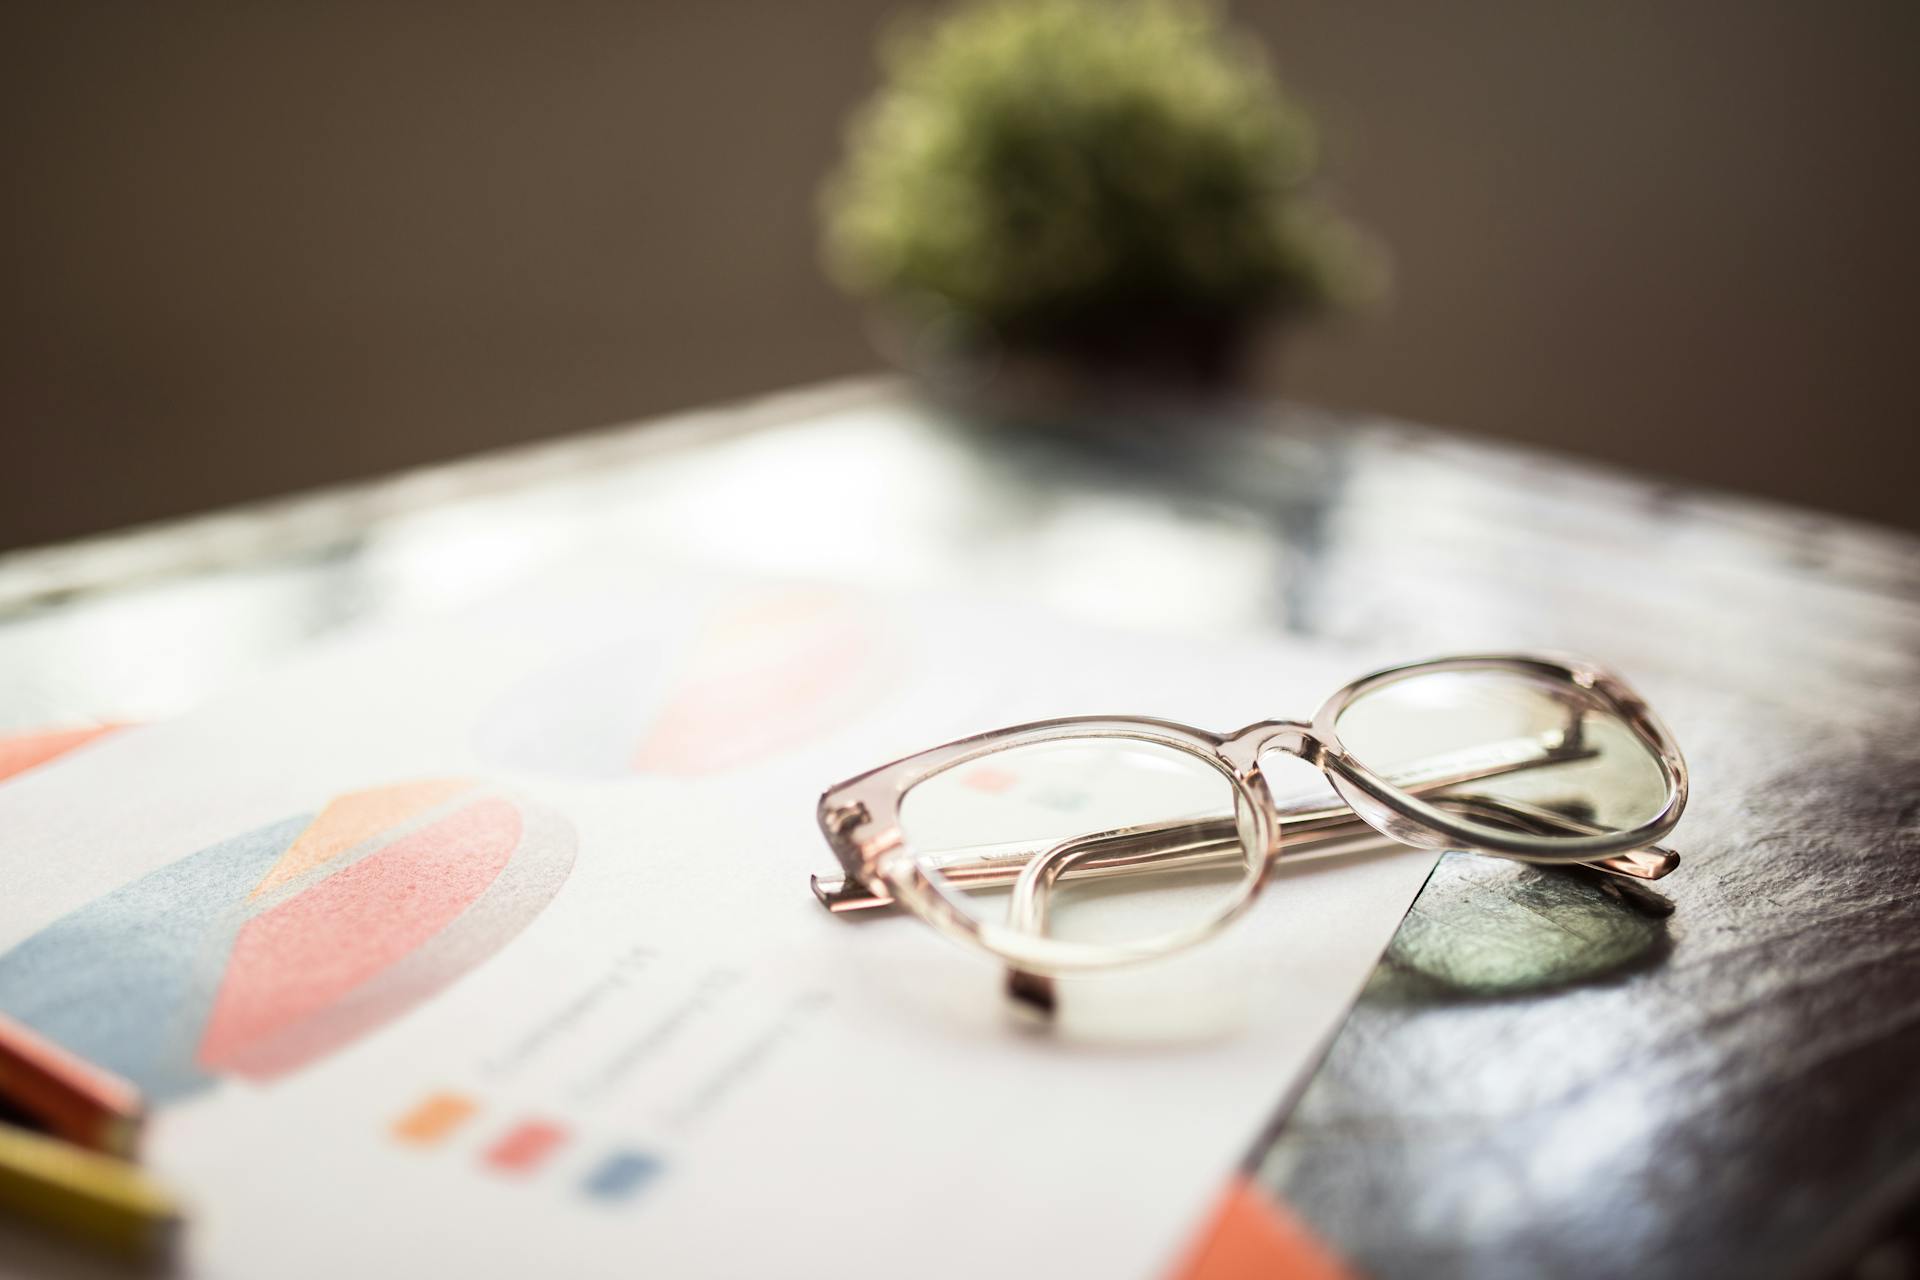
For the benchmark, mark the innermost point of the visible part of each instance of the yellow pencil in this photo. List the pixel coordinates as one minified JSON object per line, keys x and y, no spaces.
{"x":97,"y":1199}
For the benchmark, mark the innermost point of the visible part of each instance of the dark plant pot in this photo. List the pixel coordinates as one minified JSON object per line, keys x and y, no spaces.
{"x":1192,"y":352}
{"x":1145,"y":358}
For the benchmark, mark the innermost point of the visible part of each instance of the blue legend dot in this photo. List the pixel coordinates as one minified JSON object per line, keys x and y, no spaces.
{"x":622,"y":1174}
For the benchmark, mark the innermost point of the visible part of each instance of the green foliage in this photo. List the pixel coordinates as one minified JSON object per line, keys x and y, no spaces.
{"x":1048,"y":168}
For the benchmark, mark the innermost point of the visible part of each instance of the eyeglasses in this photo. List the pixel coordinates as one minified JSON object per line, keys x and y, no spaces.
{"x":1070,"y":845}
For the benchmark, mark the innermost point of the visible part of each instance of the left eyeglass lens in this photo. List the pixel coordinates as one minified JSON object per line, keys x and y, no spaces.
{"x":1107,"y":841}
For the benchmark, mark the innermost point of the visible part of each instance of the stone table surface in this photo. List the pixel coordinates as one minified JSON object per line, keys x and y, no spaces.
{"x":1540,"y":1079}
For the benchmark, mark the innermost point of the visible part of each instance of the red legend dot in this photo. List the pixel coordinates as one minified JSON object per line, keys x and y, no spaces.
{"x":526,"y":1146}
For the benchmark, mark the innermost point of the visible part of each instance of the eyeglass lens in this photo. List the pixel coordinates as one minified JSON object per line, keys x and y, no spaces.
{"x":1104,"y":841}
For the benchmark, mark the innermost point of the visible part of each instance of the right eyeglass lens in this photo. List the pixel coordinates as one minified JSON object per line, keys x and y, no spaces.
{"x":1099,"y":841}
{"x":1508,"y":751}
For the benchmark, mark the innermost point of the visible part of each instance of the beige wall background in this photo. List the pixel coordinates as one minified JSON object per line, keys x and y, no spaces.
{"x":250,"y":248}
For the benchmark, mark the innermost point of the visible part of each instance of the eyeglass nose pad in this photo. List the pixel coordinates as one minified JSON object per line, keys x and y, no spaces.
{"x":1035,"y":994}
{"x":1385,"y":820}
{"x":1140,"y":848}
{"x":1573,"y":737}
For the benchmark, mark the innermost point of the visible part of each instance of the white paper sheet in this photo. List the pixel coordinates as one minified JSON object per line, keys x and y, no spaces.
{"x":597,"y":935}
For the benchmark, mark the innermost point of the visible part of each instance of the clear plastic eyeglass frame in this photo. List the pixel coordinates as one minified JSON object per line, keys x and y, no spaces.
{"x":1429,"y":804}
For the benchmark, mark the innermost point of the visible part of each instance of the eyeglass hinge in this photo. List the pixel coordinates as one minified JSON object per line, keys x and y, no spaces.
{"x":844,"y":819}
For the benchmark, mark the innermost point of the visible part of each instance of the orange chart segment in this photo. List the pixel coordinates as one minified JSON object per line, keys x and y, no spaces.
{"x":309,"y":952}
{"x":351,"y":819}
{"x":1252,"y":1236}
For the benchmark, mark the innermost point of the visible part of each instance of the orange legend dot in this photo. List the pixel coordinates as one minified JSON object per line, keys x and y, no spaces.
{"x":436,"y":1117}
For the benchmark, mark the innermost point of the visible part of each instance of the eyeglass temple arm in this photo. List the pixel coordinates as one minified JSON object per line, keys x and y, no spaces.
{"x":1433,"y":774}
{"x":1312,"y":833}
{"x":1189,"y":846}
{"x":1116,"y":853}
{"x":1095,"y":855}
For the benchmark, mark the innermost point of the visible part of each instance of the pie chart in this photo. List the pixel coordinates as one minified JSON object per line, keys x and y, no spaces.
{"x":761,"y":674}
{"x":259,"y":955}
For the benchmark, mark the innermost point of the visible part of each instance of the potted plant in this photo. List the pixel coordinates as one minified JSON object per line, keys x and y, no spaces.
{"x":1095,"y":189}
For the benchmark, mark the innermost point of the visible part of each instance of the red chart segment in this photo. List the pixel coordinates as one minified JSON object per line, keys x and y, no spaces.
{"x":767,"y":675}
{"x":308,"y":953}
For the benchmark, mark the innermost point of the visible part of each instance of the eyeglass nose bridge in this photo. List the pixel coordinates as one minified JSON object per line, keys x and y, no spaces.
{"x":1244,"y":747}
